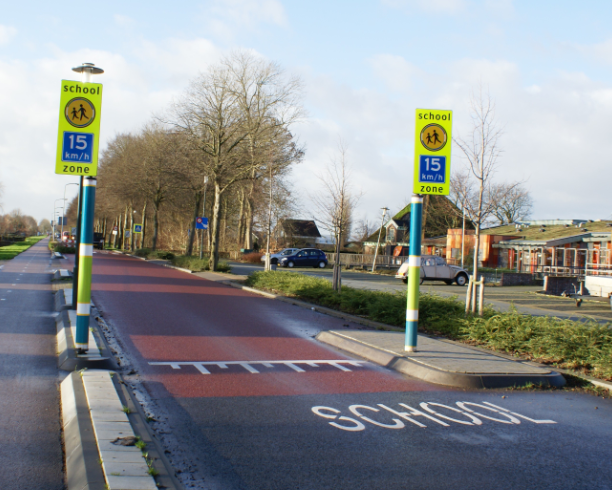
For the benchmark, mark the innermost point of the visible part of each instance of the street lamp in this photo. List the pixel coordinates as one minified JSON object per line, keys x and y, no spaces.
{"x":64,"y":215}
{"x":382,"y":222}
{"x":53,"y":220}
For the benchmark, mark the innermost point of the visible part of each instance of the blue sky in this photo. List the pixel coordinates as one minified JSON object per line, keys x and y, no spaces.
{"x":366,"y":66}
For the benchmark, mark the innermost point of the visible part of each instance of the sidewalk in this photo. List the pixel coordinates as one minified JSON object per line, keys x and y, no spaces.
{"x":440,"y":361}
{"x":30,"y":431}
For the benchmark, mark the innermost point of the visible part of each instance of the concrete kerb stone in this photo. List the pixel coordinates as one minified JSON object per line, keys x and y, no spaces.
{"x":99,"y":356}
{"x":83,"y":470}
{"x":412,"y":367}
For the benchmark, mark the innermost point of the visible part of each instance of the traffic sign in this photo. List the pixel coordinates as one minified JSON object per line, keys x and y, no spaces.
{"x":432,"y":152}
{"x":78,"y":135}
{"x":201,"y":223}
{"x":137,"y":228}
{"x":126,"y":234}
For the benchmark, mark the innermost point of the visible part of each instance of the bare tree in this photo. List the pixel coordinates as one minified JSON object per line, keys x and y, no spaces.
{"x":511,"y":202}
{"x":481,"y":149}
{"x":335,"y":204}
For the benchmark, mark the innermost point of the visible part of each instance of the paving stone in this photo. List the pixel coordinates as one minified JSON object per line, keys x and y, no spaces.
{"x":131,"y":483}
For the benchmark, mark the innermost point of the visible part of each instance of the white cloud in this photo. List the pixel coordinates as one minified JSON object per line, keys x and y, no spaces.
{"x":227,"y":18}
{"x":123,"y":20}
{"x":6,"y":34}
{"x":431,"y":6}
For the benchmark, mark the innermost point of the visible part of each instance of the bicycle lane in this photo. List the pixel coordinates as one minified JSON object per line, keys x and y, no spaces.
{"x":250,"y":400}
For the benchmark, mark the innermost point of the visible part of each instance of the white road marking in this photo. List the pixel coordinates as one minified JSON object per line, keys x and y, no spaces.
{"x":355,"y":424}
{"x":248,"y":365}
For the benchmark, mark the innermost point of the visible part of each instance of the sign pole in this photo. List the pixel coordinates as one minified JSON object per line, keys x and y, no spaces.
{"x":75,"y":271}
{"x":414,"y":273}
{"x":432,"y":171}
{"x":85,"y":264}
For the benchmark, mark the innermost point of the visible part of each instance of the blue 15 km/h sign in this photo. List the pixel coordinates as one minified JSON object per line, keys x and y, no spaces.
{"x":77,"y":147}
{"x":432,"y":170}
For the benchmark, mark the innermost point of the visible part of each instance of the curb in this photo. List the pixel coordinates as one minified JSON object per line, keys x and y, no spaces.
{"x":166,"y":477}
{"x":67,"y":358}
{"x":433,"y":375}
{"x":83,"y":470}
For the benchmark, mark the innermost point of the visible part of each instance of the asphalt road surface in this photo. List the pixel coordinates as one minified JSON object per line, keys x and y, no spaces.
{"x":245,"y":398}
{"x":524,"y":298}
{"x":30,"y":438}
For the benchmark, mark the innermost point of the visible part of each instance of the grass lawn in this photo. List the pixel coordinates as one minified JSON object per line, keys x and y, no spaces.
{"x":582,"y":346}
{"x":11,"y":251}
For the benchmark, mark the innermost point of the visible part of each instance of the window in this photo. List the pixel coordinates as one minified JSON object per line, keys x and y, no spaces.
{"x":440,"y":261}
{"x":302,"y":254}
{"x":391,"y":234}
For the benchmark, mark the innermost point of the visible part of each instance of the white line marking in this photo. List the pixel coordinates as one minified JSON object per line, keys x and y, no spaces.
{"x":248,"y":365}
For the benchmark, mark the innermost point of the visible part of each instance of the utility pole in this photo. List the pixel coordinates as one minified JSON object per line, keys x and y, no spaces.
{"x":382,"y":222}
{"x":462,"y":234}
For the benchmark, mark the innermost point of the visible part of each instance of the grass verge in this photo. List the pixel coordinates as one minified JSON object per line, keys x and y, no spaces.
{"x":9,"y":252}
{"x":585,"y":347}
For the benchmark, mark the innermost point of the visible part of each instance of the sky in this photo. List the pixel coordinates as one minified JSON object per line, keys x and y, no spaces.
{"x":366,"y":66}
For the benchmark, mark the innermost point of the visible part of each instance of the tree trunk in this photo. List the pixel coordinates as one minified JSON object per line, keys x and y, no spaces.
{"x":214,"y":241}
{"x":144,"y":225}
{"x":240,"y":237}
{"x":155,"y":224}
{"x":131,"y":229}
{"x":224,"y":222}
{"x":125,"y":222}
{"x":248,"y":224}
{"x":196,"y":208}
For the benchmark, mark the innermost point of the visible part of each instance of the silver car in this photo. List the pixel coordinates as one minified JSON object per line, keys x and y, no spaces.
{"x":434,"y":268}
{"x":274,"y":258}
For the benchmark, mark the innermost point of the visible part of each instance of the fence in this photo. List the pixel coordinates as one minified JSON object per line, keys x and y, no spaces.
{"x":366,"y":260}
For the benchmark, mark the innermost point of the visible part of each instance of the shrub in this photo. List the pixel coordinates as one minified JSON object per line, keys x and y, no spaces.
{"x":223,"y":266}
{"x":63,"y":249}
{"x":142,"y":252}
{"x":253,"y":257}
{"x":164,"y":255}
{"x":191,"y":262}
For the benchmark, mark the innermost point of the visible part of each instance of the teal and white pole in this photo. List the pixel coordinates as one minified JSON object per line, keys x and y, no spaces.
{"x":414,"y":273}
{"x":83,"y":308}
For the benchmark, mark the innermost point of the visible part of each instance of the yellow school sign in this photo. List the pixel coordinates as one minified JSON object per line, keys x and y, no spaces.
{"x":79,"y":128}
{"x":432,"y":152}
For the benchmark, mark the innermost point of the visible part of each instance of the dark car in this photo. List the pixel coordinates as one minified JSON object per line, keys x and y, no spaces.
{"x":307,"y":257}
{"x":98,"y":240}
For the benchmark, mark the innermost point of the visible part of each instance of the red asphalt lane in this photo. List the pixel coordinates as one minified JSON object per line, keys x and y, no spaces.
{"x":165,"y":315}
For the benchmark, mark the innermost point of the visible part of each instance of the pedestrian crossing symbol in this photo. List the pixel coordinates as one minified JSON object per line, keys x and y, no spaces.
{"x":433,"y":137}
{"x":80,"y":112}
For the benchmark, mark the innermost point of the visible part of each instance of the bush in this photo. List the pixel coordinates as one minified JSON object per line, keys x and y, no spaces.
{"x":253,"y":257}
{"x":142,"y":252}
{"x":223,"y":267}
{"x":191,"y":262}
{"x":63,"y":249}
{"x":584,"y":346}
{"x":164,"y":255}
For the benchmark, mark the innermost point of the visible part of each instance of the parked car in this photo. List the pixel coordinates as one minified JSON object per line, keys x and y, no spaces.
{"x":285,"y":252}
{"x":306,"y":257}
{"x":434,"y":268}
{"x":98,"y":240}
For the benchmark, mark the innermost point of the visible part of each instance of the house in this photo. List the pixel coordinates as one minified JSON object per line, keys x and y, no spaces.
{"x":566,"y":246}
{"x":442,"y":214}
{"x":299,"y":233}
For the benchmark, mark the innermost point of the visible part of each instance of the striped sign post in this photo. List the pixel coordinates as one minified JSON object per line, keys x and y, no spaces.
{"x":85,"y":264}
{"x":414,"y":273}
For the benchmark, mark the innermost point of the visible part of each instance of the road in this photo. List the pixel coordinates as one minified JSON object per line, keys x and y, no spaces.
{"x":523,"y":298}
{"x":30,"y":438}
{"x":243,"y":397}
